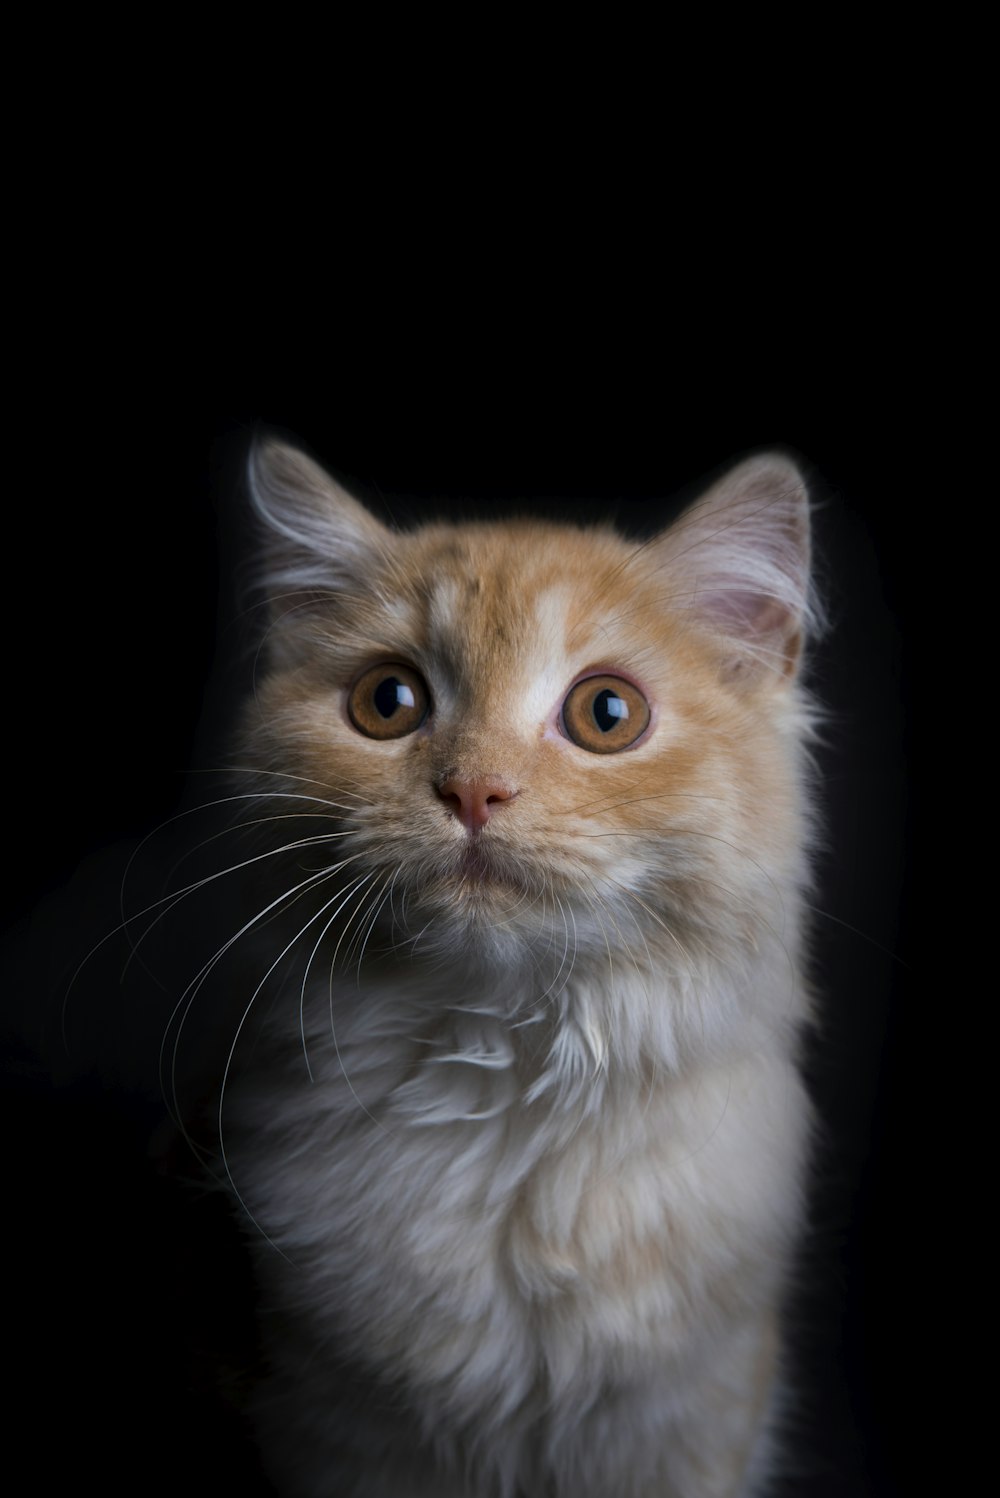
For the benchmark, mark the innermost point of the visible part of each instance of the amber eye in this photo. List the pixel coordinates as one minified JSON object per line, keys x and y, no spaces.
{"x":388,"y":702}
{"x":605,"y":714}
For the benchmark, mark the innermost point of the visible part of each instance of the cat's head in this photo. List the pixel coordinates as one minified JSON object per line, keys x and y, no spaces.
{"x":531,"y":737}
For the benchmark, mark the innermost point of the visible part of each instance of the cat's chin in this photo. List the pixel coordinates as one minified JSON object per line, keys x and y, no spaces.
{"x":481,"y":903}
{"x":479,"y":870}
{"x":490,"y":890}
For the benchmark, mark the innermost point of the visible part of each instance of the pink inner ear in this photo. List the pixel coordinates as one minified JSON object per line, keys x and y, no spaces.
{"x":745,"y":553}
{"x":744,"y":612}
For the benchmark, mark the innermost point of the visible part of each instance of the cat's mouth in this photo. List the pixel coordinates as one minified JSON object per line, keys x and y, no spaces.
{"x":476,"y":864}
{"x":479,"y":867}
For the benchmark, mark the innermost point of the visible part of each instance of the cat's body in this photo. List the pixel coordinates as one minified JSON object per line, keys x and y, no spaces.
{"x":522,"y":1137}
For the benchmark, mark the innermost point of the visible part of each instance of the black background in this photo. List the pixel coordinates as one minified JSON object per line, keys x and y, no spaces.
{"x":119,"y":595}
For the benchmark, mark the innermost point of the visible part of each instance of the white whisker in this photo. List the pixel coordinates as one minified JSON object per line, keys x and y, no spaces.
{"x":187,"y":998}
{"x":348,"y":893}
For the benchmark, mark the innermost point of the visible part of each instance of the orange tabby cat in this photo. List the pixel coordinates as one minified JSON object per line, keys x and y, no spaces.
{"x":522,"y":1139}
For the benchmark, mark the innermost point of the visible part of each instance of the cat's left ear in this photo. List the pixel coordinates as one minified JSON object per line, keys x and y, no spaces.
{"x":738,"y":559}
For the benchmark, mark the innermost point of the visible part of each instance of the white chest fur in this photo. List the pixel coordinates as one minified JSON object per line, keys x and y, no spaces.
{"x":494,"y":1252}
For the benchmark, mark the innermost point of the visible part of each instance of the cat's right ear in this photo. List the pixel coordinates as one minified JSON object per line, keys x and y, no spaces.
{"x":737,"y":562}
{"x":316,"y":539}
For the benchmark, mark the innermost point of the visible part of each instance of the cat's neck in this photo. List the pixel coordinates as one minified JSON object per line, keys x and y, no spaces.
{"x":548,"y":1034}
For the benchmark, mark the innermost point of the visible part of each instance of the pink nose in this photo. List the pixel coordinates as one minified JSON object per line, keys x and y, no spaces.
{"x":473,"y":802}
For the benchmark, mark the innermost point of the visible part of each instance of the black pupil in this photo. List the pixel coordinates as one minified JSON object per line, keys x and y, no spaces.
{"x":388,"y":696}
{"x":609,"y":710}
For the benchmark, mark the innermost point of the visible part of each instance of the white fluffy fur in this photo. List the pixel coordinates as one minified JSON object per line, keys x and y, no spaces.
{"x":524,"y":1176}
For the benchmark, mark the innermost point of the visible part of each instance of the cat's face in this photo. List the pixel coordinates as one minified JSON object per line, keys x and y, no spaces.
{"x":529,"y":735}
